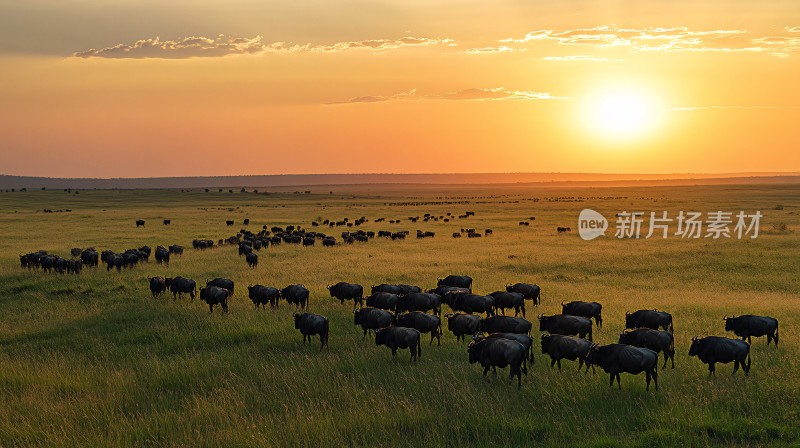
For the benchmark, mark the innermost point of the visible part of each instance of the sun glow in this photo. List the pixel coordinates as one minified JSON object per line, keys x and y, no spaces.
{"x":621,"y":114}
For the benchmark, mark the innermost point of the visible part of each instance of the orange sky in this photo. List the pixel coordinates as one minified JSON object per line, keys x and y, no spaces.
{"x":140,"y":89}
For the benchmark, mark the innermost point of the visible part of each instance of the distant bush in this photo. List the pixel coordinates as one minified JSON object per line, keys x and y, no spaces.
{"x":780,"y":227}
{"x":779,"y":207}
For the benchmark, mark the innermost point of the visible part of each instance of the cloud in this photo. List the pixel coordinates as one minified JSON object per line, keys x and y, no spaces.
{"x":197,"y":47}
{"x":664,"y":39}
{"x":486,"y":50}
{"x":474,"y":94}
{"x":580,"y":58}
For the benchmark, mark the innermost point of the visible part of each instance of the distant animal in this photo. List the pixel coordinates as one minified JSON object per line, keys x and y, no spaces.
{"x":656,"y":340}
{"x":246,"y":221}
{"x":563,"y":229}
{"x":715,"y":349}
{"x":181,"y":285}
{"x":566,"y":325}
{"x":559,"y":346}
{"x":523,"y":339}
{"x":140,"y":223}
{"x":75,"y":252}
{"x":620,"y":358}
{"x":372,"y":319}
{"x":505,"y":299}
{"x":252,"y":260}
{"x":524,"y":223}
{"x":383,"y":287}
{"x":175,"y":249}
{"x":528,"y":290}
{"x":312,"y":324}
{"x":400,"y":338}
{"x":383,"y":300}
{"x":472,"y":303}
{"x":461,"y":324}
{"x":222,"y":283}
{"x":584,"y":309}
{"x":261,"y":295}
{"x":296,"y":295}
{"x":747,"y":326}
{"x":348,"y":291}
{"x":229,"y":222}
{"x":424,"y":323}
{"x":458,"y":281}
{"x":157,"y":285}
{"x":420,"y":301}
{"x":499,"y":352}
{"x":167,"y":222}
{"x":162,"y":255}
{"x":649,"y":319}
{"x":506,"y":324}
{"x":214,"y":295}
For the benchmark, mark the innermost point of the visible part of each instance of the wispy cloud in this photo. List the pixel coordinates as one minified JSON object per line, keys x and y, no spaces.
{"x":664,"y":39}
{"x":473,"y":94}
{"x":580,"y":58}
{"x":200,"y":47}
{"x":488,"y":50}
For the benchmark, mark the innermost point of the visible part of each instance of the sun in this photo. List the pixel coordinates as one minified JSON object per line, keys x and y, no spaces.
{"x":621,"y":113}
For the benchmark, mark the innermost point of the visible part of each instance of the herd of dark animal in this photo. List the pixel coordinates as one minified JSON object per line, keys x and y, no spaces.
{"x":398,"y":316}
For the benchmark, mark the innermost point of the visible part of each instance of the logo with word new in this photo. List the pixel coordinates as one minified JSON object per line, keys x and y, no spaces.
{"x":591,"y":224}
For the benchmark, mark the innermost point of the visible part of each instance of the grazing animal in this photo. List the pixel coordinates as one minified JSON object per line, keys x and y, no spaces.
{"x":348,"y":291}
{"x":506,"y":324}
{"x":140,"y":223}
{"x":528,"y":290}
{"x":620,"y":358}
{"x":296,"y":295}
{"x":461,"y":324}
{"x":214,"y":295}
{"x":157,"y":285}
{"x":472,"y":303}
{"x":261,"y":295}
{"x":400,"y":337}
{"x":75,"y":252}
{"x":181,"y":285}
{"x":383,"y":300}
{"x":252,"y":260}
{"x":747,"y":326}
{"x":499,"y":352}
{"x":312,"y":324}
{"x":424,"y":323}
{"x":558,"y":347}
{"x":372,"y":319}
{"x":229,"y":222}
{"x":523,"y":339}
{"x":584,"y":309}
{"x":383,"y":287}
{"x":420,"y":301}
{"x":167,"y":222}
{"x":505,"y":299}
{"x":656,"y":340}
{"x":566,"y":325}
{"x":563,"y":229}
{"x":649,"y":319}
{"x":162,"y":255}
{"x":222,"y":283}
{"x":175,"y":249}
{"x":458,"y":281}
{"x":714,"y":349}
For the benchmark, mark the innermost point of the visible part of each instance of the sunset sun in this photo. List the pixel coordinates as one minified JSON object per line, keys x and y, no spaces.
{"x":621,"y":114}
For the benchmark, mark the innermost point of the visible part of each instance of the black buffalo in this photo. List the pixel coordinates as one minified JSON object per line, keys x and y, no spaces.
{"x":372,"y":319}
{"x":649,"y":319}
{"x":175,"y":249}
{"x":157,"y":285}
{"x":222,"y":283}
{"x":499,"y":352}
{"x":391,"y":289}
{"x":400,"y":337}
{"x":420,"y":301}
{"x":472,"y":303}
{"x":348,"y":291}
{"x":458,"y":281}
{"x":566,"y":325}
{"x":558,"y":347}
{"x":140,"y":223}
{"x":162,"y":255}
{"x":214,"y":295}
{"x":504,"y":300}
{"x":252,"y":260}
{"x":747,"y":326}
{"x":506,"y":324}
{"x":714,"y":349}
{"x":528,"y":290}
{"x":424,"y":323}
{"x":181,"y":285}
{"x":463,"y":324}
{"x":383,"y":300}
{"x":620,"y":358}
{"x":523,"y":339}
{"x":584,"y":309}
{"x":656,"y":340}
{"x":312,"y":324}
{"x":261,"y":295}
{"x":296,"y":295}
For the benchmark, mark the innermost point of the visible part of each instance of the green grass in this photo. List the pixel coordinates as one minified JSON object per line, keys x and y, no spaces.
{"x":93,"y":360}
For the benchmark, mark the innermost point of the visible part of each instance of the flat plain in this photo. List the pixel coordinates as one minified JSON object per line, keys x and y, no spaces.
{"x":94,"y":360}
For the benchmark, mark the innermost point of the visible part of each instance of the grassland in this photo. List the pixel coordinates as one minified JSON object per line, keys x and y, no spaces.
{"x":93,"y":360}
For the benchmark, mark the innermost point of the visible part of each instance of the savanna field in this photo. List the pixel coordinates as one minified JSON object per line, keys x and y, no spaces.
{"x":94,"y":360}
